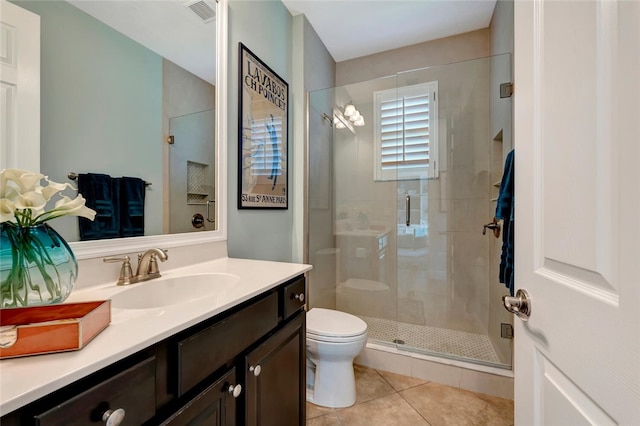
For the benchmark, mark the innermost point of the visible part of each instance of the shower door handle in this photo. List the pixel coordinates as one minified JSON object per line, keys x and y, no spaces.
{"x":408,"y":201}
{"x":520,"y":305}
{"x":209,"y":217}
{"x":494,"y":226}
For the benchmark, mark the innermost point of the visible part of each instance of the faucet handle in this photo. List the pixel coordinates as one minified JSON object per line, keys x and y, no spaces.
{"x":126,"y":273}
{"x":153,"y":271}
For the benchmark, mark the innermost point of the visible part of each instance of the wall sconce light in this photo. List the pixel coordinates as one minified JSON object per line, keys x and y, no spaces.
{"x":350,"y":110}
{"x":340,"y":121}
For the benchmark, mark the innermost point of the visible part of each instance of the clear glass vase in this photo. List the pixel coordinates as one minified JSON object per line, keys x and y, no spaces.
{"x":37,"y":267}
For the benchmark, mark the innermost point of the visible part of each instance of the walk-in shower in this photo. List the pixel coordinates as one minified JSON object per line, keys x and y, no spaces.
{"x":397,"y":201}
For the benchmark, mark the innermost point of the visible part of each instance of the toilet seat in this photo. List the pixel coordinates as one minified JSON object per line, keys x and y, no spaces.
{"x":327,"y":325}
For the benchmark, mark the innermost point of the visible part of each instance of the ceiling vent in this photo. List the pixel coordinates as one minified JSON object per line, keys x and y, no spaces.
{"x":204,"y":9}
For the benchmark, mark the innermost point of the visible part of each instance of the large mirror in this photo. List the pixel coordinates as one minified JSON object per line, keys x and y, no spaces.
{"x":132,"y":88}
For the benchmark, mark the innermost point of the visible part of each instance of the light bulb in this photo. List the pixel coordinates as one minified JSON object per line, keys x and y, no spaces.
{"x":340,"y":125}
{"x":349,"y":110}
{"x":359,"y":122}
{"x":355,"y":116}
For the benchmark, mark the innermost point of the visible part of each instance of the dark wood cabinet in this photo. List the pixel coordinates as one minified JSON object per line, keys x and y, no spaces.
{"x":214,"y":406}
{"x":201,"y":375}
{"x":276,"y":381}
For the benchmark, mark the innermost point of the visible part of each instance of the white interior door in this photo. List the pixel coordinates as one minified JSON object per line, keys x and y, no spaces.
{"x":577,"y":213}
{"x":19,"y":88}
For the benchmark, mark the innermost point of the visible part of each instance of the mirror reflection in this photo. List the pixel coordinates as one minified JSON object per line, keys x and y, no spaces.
{"x":125,"y":94}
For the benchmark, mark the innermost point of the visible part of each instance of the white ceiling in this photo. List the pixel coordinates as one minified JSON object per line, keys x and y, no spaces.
{"x":348,"y":28}
{"x":354,"y":28}
{"x":166,"y":27}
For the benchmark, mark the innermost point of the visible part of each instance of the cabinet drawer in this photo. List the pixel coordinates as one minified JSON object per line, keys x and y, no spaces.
{"x":133,"y":390}
{"x":205,"y":352}
{"x":293,"y":297}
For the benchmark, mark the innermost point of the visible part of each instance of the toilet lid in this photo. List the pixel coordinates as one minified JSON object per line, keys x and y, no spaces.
{"x":330,"y":323}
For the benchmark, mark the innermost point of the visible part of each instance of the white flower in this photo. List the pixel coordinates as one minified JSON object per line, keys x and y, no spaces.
{"x":23,"y":200}
{"x":53,"y":188}
{"x":71,"y":207}
{"x":25,"y":180}
{"x":7,"y":210}
{"x":31,"y":200}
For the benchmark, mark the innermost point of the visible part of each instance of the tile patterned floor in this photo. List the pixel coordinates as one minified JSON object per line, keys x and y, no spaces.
{"x":387,"y":399}
{"x":433,"y":339}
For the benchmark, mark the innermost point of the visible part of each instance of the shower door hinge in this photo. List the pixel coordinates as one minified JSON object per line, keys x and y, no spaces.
{"x":506,"y":330}
{"x":506,"y":90}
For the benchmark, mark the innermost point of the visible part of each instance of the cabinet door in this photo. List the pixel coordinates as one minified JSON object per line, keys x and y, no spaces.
{"x":276,"y":381}
{"x":214,"y":406}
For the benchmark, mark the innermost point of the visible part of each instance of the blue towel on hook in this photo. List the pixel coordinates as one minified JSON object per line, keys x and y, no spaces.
{"x":504,"y":211}
{"x":132,"y":193}
{"x":103,"y":195}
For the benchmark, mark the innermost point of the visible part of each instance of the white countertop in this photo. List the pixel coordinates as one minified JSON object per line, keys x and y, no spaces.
{"x":23,"y":380}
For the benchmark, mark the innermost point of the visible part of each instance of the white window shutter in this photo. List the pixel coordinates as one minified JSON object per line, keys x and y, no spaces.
{"x":405,"y":132}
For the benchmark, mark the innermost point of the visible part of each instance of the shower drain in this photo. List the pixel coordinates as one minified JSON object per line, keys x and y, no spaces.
{"x":398,"y":341}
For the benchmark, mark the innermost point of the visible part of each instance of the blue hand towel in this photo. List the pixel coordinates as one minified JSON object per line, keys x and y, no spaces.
{"x":132,"y":193}
{"x":504,"y":211}
{"x":103,"y":196}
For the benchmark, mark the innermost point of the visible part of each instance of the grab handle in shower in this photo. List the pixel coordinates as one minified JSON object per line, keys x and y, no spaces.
{"x":408,"y":200}
{"x":208,"y":216}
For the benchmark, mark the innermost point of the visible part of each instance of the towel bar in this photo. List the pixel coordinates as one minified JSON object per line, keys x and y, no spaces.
{"x":74,"y":176}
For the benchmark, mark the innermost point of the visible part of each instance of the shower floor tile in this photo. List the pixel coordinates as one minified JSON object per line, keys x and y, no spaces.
{"x":432,"y":339}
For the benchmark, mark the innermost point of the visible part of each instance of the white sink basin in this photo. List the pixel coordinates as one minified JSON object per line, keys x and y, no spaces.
{"x":163,"y":292}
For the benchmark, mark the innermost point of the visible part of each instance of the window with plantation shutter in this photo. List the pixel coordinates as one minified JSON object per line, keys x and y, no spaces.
{"x":405,"y":131}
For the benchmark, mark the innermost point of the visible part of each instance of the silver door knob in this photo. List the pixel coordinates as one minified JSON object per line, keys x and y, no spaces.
{"x":519,"y":305}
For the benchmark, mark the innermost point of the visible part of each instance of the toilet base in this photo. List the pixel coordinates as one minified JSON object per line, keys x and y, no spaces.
{"x":325,"y":393}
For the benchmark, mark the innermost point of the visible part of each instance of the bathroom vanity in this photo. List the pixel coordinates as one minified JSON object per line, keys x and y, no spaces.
{"x":235,"y":358}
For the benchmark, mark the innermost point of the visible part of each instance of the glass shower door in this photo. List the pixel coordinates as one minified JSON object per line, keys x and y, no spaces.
{"x":447,"y":161}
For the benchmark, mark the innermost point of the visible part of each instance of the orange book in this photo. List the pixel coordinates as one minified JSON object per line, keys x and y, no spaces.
{"x":51,"y":328}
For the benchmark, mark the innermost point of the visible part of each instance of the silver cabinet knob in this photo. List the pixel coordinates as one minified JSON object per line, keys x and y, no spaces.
{"x":299,"y":297}
{"x":235,"y":390}
{"x":519,"y":305}
{"x":255,"y":370}
{"x":113,"y":417}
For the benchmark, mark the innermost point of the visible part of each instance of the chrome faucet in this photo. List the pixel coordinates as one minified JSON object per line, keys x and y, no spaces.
{"x":148,"y":264}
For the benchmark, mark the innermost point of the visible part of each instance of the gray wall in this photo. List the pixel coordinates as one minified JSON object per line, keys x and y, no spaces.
{"x":461,"y":47}
{"x":265,"y":27}
{"x":319,"y":73}
{"x":101,"y":105}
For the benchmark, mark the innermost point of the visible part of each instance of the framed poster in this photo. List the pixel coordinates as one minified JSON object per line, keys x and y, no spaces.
{"x":263,"y":140}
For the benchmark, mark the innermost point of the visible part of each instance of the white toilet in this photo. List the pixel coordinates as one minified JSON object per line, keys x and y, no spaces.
{"x":334,"y":339}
